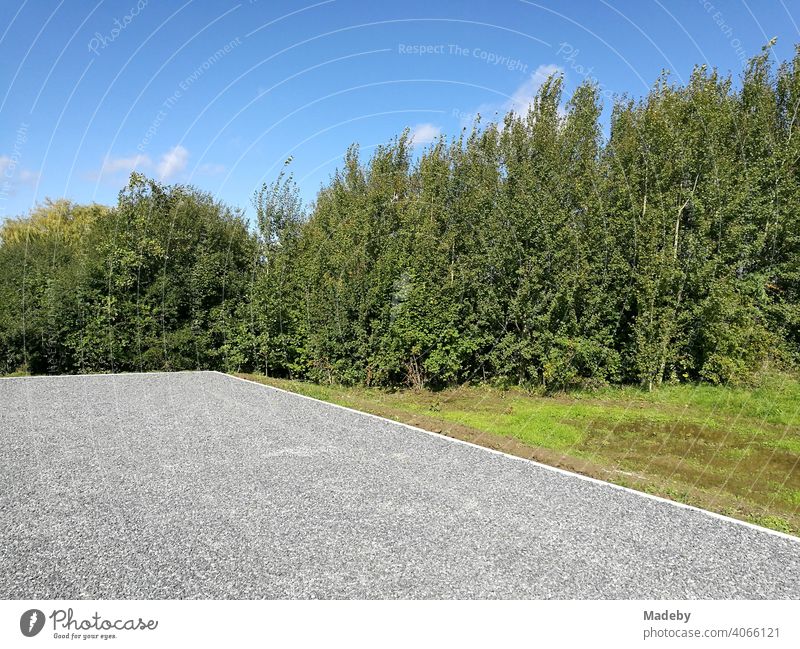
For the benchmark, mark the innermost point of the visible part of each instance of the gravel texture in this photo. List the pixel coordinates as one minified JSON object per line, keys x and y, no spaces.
{"x":201,"y":485}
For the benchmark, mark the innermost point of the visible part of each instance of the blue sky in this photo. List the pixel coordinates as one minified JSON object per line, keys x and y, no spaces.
{"x":219,"y":93}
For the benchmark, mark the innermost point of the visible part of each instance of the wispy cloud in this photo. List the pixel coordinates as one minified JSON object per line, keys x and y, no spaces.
{"x":523,"y":97}
{"x":210,"y":169}
{"x":13,"y":176}
{"x":422,"y":134}
{"x":172,"y":162}
{"x":520,"y":100}
{"x":132,"y":163}
{"x":29,"y":177}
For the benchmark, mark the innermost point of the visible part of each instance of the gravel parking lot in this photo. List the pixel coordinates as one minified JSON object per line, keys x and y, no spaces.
{"x":201,"y":485}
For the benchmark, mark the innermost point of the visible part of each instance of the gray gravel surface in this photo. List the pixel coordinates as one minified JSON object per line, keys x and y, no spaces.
{"x":200,"y":485}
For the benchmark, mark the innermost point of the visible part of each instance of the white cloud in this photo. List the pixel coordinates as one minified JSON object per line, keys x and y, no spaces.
{"x":519,"y":102}
{"x":113,"y":165}
{"x":210,"y":169}
{"x":9,"y":171}
{"x":523,"y":97}
{"x":172,"y":162}
{"x":28,"y":176}
{"x":424,"y":134}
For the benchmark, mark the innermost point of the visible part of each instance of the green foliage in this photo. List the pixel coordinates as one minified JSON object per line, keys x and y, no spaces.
{"x":535,"y":252}
{"x":152,"y":284}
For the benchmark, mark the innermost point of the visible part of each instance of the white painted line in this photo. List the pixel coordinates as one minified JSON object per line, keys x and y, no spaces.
{"x":571,"y":474}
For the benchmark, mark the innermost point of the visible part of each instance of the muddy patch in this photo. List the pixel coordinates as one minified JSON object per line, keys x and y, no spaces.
{"x":704,"y":458}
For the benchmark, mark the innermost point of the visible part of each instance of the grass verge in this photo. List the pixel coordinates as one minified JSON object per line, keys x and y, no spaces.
{"x":735,"y":451}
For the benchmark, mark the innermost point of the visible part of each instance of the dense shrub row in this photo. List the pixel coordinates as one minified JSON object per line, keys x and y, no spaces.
{"x":536,"y":251}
